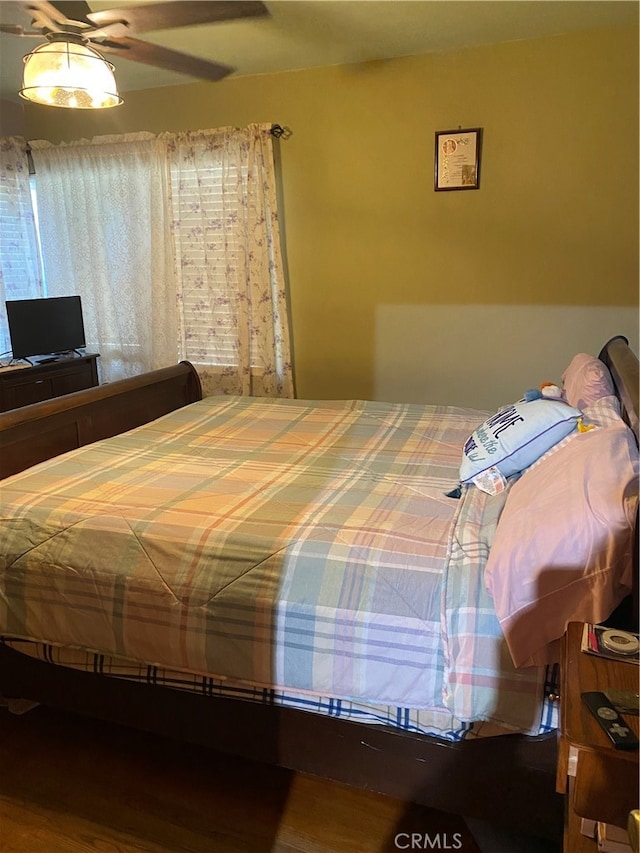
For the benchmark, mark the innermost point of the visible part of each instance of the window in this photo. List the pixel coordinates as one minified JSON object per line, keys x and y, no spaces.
{"x":34,"y":206}
{"x":230,"y":285}
{"x":184,"y":260}
{"x":20,"y":259}
{"x":206,"y":228}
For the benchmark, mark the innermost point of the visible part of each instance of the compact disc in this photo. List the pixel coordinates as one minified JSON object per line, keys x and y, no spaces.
{"x":620,"y":642}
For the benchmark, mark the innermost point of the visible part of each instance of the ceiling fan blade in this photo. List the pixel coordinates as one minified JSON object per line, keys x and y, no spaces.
{"x":17,"y":30}
{"x":162,"y":57}
{"x":183,"y":13}
{"x":59,"y":12}
{"x":73,"y":10}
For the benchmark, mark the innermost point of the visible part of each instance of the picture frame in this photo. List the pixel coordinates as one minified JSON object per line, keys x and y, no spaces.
{"x":457,"y":159}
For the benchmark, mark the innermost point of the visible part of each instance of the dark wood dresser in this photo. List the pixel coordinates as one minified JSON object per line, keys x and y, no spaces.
{"x":25,"y":385}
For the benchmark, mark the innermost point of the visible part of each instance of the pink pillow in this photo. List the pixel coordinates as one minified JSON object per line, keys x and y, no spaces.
{"x":586,"y":380}
{"x":563,"y":549}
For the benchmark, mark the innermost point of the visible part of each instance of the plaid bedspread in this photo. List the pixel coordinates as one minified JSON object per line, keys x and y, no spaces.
{"x":298,"y":546}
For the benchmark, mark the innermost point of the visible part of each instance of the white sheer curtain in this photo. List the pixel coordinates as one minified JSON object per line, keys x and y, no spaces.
{"x":105,"y":233}
{"x":20,"y":273}
{"x":233,"y":319}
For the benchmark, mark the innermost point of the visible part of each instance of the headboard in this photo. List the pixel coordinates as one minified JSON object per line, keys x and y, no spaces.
{"x":623,"y":365}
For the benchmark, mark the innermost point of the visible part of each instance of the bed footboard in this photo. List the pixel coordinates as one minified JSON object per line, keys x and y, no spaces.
{"x":41,"y":431}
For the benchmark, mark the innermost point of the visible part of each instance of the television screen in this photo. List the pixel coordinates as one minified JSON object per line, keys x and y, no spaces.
{"x":45,"y":326}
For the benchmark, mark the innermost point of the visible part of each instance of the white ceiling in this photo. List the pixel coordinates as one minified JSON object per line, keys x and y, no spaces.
{"x":311,"y":33}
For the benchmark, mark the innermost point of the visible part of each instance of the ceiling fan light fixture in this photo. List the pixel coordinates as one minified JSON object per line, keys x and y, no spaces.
{"x":66,"y":72}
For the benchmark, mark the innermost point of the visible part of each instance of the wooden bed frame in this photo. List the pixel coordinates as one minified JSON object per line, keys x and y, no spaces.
{"x":508,"y":779}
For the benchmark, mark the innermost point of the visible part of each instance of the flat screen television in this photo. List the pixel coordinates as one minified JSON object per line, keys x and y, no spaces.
{"x":45,"y":326}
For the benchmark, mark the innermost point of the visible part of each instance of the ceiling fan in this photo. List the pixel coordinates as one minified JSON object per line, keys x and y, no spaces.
{"x":77,"y":35}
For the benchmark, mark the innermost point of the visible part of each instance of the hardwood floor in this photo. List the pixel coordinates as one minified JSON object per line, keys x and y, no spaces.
{"x":69,"y":785}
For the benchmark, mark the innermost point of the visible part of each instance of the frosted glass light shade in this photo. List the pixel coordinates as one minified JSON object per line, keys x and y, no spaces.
{"x":69,"y":74}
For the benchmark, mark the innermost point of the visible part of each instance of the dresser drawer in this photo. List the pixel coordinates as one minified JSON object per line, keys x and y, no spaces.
{"x":24,"y":393}
{"x":75,"y":379}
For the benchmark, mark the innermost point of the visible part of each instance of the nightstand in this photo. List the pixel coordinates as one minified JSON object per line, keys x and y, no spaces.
{"x":600,"y":783}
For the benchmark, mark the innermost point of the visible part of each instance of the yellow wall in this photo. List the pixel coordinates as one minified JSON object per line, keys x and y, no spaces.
{"x":11,"y":119}
{"x":555,"y":221}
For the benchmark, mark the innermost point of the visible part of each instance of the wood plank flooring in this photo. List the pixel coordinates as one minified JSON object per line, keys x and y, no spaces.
{"x":70,"y":785}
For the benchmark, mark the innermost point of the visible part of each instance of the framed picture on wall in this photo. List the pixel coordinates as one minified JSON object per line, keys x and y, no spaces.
{"x":457,"y":159}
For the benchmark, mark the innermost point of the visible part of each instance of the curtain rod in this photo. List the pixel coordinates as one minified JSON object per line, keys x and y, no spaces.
{"x":280,"y":132}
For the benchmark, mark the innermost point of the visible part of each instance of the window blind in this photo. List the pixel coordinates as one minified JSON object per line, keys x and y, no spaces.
{"x":208,"y":246}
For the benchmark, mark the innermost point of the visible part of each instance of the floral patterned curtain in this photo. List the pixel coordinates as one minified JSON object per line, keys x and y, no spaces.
{"x":20,"y":273}
{"x":232,"y":300}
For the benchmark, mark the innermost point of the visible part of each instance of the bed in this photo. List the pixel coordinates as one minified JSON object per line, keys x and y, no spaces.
{"x":307,"y":584}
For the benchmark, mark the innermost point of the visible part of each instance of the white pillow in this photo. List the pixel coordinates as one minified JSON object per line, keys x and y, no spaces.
{"x":515,"y":437}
